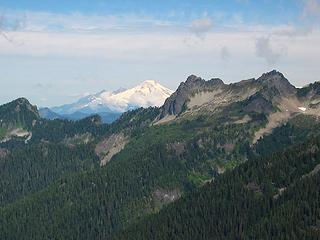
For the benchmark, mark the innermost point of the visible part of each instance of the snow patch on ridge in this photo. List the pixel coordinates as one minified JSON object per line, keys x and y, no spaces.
{"x":303,"y":109}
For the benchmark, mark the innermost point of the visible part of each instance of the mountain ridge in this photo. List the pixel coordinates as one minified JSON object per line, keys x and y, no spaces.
{"x":271,"y":92}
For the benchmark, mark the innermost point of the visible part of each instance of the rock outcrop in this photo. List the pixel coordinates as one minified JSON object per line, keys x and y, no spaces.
{"x":176,"y":103}
{"x":276,"y":81}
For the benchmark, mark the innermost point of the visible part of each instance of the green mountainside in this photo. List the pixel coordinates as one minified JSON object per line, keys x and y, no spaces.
{"x":84,"y":179}
{"x":18,"y":113}
{"x":274,"y":197}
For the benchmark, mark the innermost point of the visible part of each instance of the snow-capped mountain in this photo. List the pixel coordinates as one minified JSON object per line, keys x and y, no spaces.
{"x":148,"y":93}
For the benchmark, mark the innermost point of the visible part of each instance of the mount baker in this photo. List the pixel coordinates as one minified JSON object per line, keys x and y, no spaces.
{"x":111,"y":104}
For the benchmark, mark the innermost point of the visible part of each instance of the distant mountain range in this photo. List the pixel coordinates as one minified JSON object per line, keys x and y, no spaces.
{"x":106,"y":117}
{"x":110,"y":105}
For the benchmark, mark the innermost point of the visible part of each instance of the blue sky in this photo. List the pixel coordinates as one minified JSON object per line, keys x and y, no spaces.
{"x":264,"y":11}
{"x":52,"y":52}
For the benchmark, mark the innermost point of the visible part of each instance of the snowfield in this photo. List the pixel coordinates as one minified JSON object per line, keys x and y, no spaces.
{"x":148,"y":93}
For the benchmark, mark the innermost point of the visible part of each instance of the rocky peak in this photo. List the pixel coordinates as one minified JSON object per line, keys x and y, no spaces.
{"x":197,"y":82}
{"x":273,"y":73}
{"x":193,"y":80}
{"x":277,"y":80}
{"x":175,"y":103}
{"x":21,"y":104}
{"x":18,"y":112}
{"x":311,"y":94}
{"x":216,"y":81}
{"x":310,"y":90}
{"x":22,"y":101}
{"x":191,"y":83}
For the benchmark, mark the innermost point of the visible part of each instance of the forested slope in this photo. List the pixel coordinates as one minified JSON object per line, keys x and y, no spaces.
{"x":274,"y":197}
{"x":131,"y":186}
{"x":97,"y":203}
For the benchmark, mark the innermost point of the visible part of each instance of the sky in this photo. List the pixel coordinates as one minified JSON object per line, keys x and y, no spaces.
{"x":55,"y":51}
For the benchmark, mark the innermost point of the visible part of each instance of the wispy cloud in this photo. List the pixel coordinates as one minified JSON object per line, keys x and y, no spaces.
{"x":3,"y":32}
{"x":42,"y":86}
{"x":292,"y":31}
{"x":201,"y":26}
{"x":78,"y":22}
{"x":131,"y":37}
{"x":10,"y":25}
{"x":307,"y":22}
{"x":225,"y":54}
{"x":311,"y":8}
{"x":265,"y":50}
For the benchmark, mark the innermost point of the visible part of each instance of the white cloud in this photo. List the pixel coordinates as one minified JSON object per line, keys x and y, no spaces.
{"x":265,"y":50}
{"x":152,"y":45}
{"x":293,"y":31}
{"x":109,"y":60}
{"x":225,"y":54}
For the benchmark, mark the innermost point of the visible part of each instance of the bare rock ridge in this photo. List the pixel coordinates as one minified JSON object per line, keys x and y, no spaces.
{"x":311,"y":94}
{"x":175,"y":103}
{"x":260,"y":93}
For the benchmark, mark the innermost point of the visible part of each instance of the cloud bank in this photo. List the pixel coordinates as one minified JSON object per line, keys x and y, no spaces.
{"x":111,"y":50}
{"x":266,"y":51}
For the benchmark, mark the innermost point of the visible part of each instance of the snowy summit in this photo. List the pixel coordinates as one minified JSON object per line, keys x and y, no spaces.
{"x":148,"y":93}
